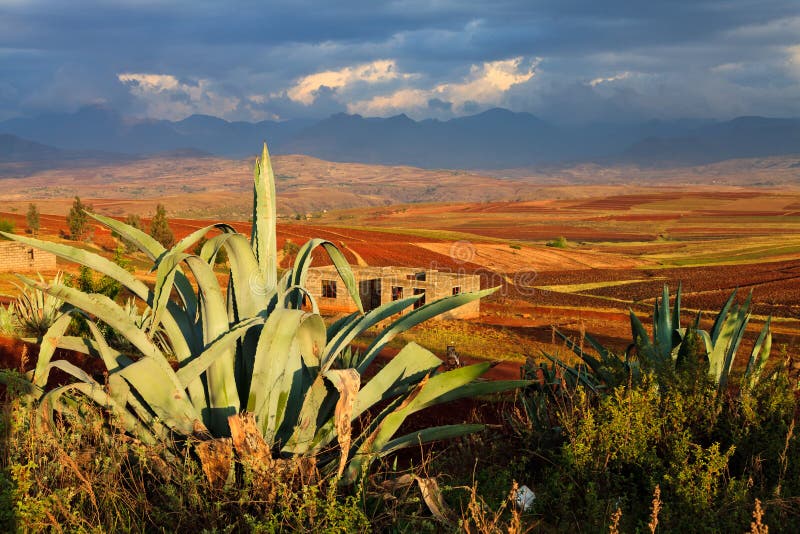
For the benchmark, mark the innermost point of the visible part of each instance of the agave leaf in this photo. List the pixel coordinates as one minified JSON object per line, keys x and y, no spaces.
{"x":297,"y":294}
{"x":250,"y":298}
{"x":359,"y":324}
{"x":47,"y":347}
{"x":192,"y":239}
{"x":165,"y":280}
{"x":594,"y":363}
{"x":264,"y":220}
{"x":118,"y":389}
{"x":759,"y":355}
{"x":89,"y":347}
{"x":73,"y":370}
{"x":730,"y":340}
{"x":302,"y":437}
{"x":676,"y":309}
{"x":721,"y":317}
{"x":720,"y":356}
{"x":640,"y":337}
{"x":192,"y":370}
{"x":168,"y":402}
{"x":152,"y":249}
{"x":303,"y":262}
{"x":289,"y":338}
{"x":112,"y":359}
{"x":341,"y":323}
{"x":408,"y":367}
{"x":401,"y":373}
{"x":415,"y":317}
{"x":601,"y":350}
{"x":582,"y":378}
{"x":144,"y":242}
{"x":247,"y":297}
{"x":706,"y":337}
{"x":223,"y":396}
{"x":662,"y":326}
{"x":112,"y":314}
{"x":437,"y":389}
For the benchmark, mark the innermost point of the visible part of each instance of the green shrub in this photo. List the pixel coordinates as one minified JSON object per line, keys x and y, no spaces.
{"x":559,"y":242}
{"x":77,"y":479}
{"x":6,"y":225}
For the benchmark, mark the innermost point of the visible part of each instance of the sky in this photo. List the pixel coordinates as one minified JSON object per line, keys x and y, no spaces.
{"x":567,"y":61}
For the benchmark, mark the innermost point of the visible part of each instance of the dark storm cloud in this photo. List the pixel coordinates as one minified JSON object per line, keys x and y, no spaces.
{"x":241,"y":59}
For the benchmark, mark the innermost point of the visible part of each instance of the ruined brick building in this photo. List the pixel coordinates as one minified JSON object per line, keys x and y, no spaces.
{"x":379,"y":285}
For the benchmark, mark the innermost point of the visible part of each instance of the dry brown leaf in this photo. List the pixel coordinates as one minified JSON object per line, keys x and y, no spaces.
{"x":348,"y":382}
{"x":216,"y":459}
{"x":433,"y":498}
{"x":248,"y":442}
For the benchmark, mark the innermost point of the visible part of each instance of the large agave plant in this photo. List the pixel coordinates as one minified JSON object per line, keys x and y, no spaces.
{"x":250,"y":347}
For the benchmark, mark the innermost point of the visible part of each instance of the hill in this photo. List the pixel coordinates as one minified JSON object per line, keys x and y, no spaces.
{"x":494,"y":139}
{"x":744,"y":137}
{"x":15,"y":149}
{"x":100,"y":128}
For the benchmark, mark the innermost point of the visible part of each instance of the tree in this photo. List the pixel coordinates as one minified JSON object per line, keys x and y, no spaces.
{"x":6,"y":226}
{"x":159,"y":227}
{"x":33,"y":218}
{"x":290,"y":248}
{"x":77,"y":220}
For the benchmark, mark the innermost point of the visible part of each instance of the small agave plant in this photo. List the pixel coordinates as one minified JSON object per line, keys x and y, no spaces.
{"x":670,"y":344}
{"x":248,"y":356}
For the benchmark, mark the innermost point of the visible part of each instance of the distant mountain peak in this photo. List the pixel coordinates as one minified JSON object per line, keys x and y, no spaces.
{"x":494,"y":138}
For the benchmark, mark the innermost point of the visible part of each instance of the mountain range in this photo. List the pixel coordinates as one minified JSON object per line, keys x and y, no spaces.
{"x":494,"y":139}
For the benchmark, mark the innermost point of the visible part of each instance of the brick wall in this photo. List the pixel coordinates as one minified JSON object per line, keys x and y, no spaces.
{"x":18,"y":258}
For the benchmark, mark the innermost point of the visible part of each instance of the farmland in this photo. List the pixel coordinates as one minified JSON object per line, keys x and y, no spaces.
{"x":621,"y":247}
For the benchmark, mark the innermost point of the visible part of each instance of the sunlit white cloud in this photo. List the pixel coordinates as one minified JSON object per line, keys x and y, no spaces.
{"x":306,"y":88}
{"x":486,"y":84}
{"x":166,"y":97}
{"x":310,"y":59}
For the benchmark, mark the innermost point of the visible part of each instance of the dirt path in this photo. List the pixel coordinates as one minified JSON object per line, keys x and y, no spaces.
{"x":505,"y":259}
{"x":359,"y":260}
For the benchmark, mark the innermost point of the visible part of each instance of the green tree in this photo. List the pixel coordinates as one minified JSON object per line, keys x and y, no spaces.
{"x":77,"y":220}
{"x":33,"y":219}
{"x":6,"y":226}
{"x":159,"y":227}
